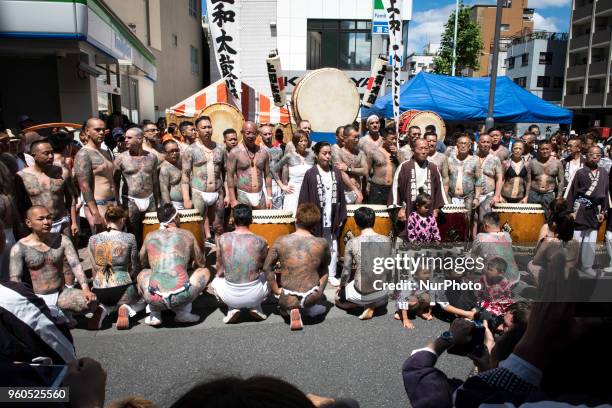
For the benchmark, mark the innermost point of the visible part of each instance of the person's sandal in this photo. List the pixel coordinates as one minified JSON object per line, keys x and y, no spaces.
{"x":367,"y":314}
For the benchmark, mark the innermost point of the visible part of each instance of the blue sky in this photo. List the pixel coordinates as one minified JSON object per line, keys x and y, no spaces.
{"x":429,"y":17}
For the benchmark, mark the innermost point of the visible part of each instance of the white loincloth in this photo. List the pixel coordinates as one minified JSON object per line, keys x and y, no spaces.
{"x":141,"y":203}
{"x":56,"y":226}
{"x":378,"y":297}
{"x":208,"y":198}
{"x":302,"y":295}
{"x":51,"y":301}
{"x":252,"y":199}
{"x":241,"y":295}
{"x":178,"y":205}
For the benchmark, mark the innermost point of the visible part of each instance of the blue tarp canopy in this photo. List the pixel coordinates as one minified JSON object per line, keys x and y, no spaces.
{"x":460,"y":98}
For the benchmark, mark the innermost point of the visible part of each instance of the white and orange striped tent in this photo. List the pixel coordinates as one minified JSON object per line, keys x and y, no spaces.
{"x":255,"y":105}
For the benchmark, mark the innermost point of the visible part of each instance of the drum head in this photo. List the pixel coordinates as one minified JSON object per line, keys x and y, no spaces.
{"x":327,"y":98}
{"x":223,"y":116}
{"x":425,"y":118}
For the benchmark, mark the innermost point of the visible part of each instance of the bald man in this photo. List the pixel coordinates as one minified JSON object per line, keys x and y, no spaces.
{"x":93,"y":169}
{"x":138,"y":168}
{"x":248,"y":168}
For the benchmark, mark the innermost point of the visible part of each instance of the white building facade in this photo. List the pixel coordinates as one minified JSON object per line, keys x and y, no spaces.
{"x":309,"y":34}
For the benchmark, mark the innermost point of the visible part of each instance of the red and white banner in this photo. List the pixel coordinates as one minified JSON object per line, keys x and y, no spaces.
{"x":375,"y":82}
{"x":224,"y":23}
{"x":277,"y":82}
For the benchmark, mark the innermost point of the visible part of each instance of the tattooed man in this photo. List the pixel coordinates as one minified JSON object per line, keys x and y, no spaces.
{"x":175,"y":273}
{"x":138,"y":168}
{"x":497,"y":148}
{"x":248,"y":168}
{"x":352,"y":163}
{"x":382,"y":161}
{"x":94,"y":172}
{"x":304,"y":261}
{"x":373,"y":136}
{"x":152,"y":140}
{"x":492,"y":177}
{"x":240,"y":282}
{"x":203,"y":171}
{"x":437,"y":158}
{"x":41,"y":256}
{"x":170,"y":175}
{"x":275,"y":153}
{"x":545,"y":177}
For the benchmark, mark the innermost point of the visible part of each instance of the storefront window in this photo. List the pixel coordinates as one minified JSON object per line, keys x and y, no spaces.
{"x":342,"y":44}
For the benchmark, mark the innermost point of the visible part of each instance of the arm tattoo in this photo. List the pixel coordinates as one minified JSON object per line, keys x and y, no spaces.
{"x":269,"y":263}
{"x":231,"y":170}
{"x":16,"y":266}
{"x":164,"y":184}
{"x":198,"y":258}
{"x":84,"y":174}
{"x":73,"y":260}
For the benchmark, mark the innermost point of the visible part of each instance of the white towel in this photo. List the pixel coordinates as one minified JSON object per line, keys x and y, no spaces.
{"x":241,"y":295}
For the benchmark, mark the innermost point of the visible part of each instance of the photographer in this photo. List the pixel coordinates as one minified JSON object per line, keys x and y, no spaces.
{"x":428,"y":386}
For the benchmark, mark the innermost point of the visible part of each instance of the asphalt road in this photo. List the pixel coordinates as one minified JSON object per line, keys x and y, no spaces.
{"x":338,"y":357}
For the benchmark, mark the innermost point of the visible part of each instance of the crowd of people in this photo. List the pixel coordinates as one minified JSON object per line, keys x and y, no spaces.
{"x":59,"y":194}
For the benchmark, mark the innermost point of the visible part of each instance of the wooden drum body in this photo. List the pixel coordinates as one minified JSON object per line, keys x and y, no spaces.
{"x":422,"y":119}
{"x":271,"y":224}
{"x":452,"y":223}
{"x":327,"y":98}
{"x":382,"y":225}
{"x":522,"y":221}
{"x":191,"y":220}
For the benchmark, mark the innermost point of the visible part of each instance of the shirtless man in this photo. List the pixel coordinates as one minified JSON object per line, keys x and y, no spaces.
{"x":465,"y":179}
{"x":497,"y":148}
{"x":230,"y":140}
{"x":374,"y":135}
{"x":382,"y":162}
{"x":50,"y":186}
{"x":41,"y":255}
{"x":170,"y":175}
{"x":175,"y":272}
{"x":188,"y":132}
{"x":529,"y":140}
{"x":203,"y":174}
{"x":303,"y":266}
{"x":138,"y":168}
{"x":545,"y":176}
{"x":152,"y":140}
{"x":275,"y":154}
{"x":352,"y":162}
{"x":240,"y":282}
{"x":492,"y":177}
{"x":339,"y":143}
{"x":437,"y":158}
{"x":94,"y":173}
{"x":574,"y":160}
{"x":414,"y":133}
{"x":248,"y":168}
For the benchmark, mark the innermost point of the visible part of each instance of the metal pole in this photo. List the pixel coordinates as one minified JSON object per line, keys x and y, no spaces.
{"x":455,"y":38}
{"x":498,"y":17}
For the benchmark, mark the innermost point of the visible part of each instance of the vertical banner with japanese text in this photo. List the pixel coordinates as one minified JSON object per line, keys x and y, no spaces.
{"x":277,"y":82}
{"x":396,"y":52}
{"x":224,"y":22}
{"x":375,"y":82}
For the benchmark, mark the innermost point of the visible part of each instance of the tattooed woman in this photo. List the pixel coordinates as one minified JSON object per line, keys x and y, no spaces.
{"x":171,"y":282}
{"x":115,"y":265}
{"x":41,"y":255}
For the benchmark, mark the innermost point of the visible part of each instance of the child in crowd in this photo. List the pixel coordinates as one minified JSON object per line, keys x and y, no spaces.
{"x":495,"y":295}
{"x":421,"y":226}
{"x":416,"y":300}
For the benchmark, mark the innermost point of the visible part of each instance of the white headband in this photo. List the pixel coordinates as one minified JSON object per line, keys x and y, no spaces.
{"x":372,"y":117}
{"x":164,"y":225}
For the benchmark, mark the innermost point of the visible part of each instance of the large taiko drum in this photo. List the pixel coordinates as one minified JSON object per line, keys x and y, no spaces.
{"x":223,"y":116}
{"x":522,"y":221}
{"x":191,"y":220}
{"x":453,"y":223}
{"x":422,"y":119}
{"x":271,"y":224}
{"x":327,"y":98}
{"x":382,"y":224}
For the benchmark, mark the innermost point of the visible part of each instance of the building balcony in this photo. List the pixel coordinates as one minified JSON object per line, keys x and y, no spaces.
{"x":573,"y":100}
{"x":604,"y":6}
{"x":595,"y":99}
{"x":576,"y":71}
{"x":598,"y":68}
{"x":582,"y":12}
{"x":579,"y":42}
{"x":601,"y":37}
